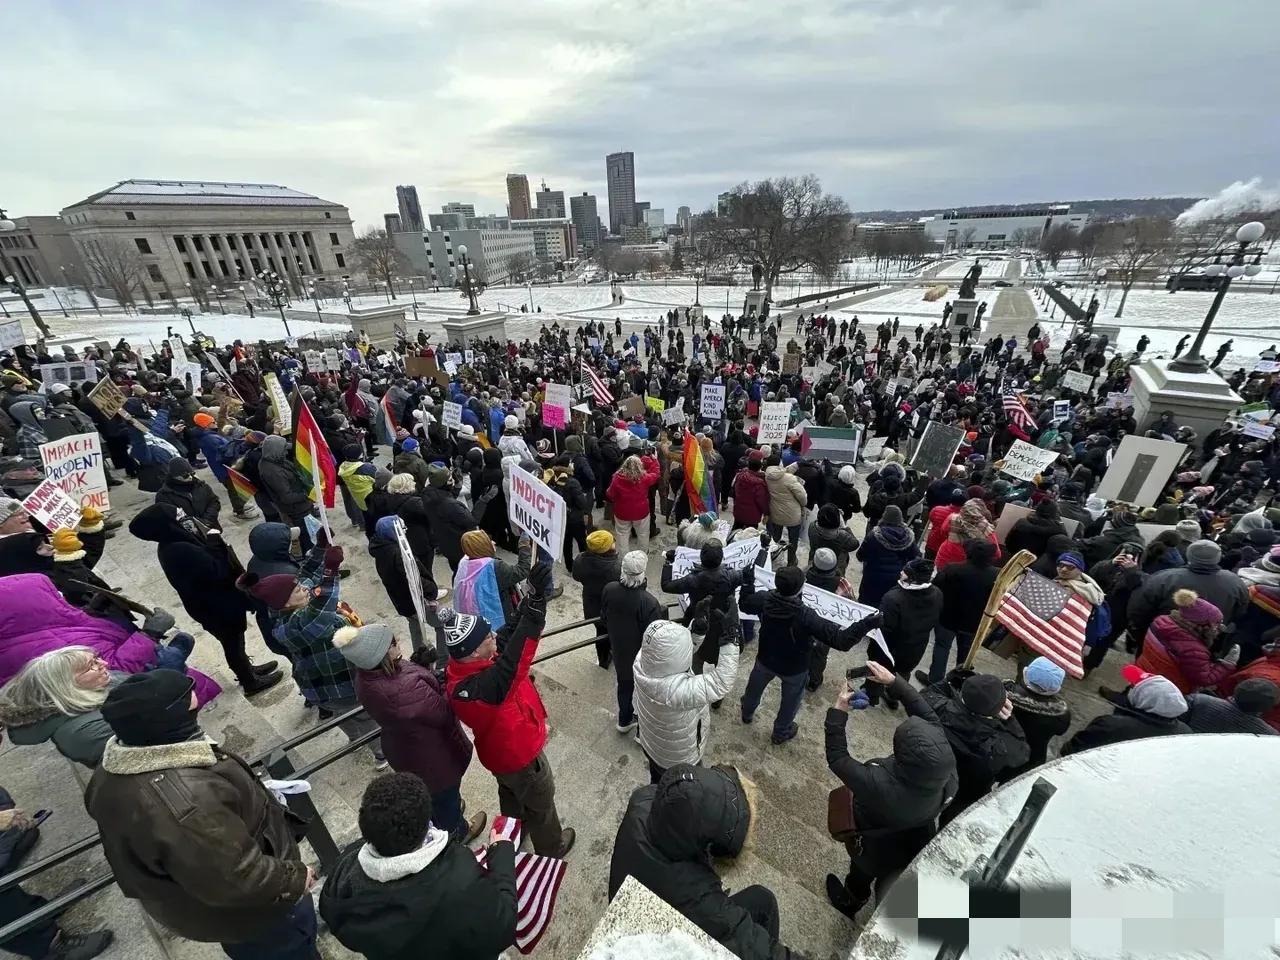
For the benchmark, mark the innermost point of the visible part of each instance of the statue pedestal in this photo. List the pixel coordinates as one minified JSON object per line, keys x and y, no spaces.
{"x":753,"y":303}
{"x":379,"y":325}
{"x":1197,"y":400}
{"x":964,"y":313}
{"x":475,"y":327}
{"x":695,"y":311}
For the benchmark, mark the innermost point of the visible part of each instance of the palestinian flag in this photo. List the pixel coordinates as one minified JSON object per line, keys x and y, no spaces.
{"x":241,"y":483}
{"x":307,"y":439}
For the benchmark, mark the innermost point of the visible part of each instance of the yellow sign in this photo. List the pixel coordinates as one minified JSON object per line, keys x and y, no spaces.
{"x":655,"y":404}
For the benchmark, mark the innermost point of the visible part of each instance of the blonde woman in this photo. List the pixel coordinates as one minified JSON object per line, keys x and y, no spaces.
{"x":57,"y":697}
{"x":629,"y":494}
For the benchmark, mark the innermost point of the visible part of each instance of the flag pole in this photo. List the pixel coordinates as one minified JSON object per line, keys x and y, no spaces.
{"x":1015,"y":568}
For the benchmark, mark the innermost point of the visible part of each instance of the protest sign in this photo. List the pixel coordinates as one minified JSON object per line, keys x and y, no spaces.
{"x":656,"y":404}
{"x":107,"y":397}
{"x":809,"y":373}
{"x":1075,"y":380}
{"x":469,"y":357}
{"x":68,"y":372}
{"x":450,"y":368}
{"x":1260,"y":430}
{"x":187,"y":372}
{"x":538,"y":510}
{"x":52,"y":507}
{"x":790,"y":363}
{"x":1140,"y":469}
{"x":454,"y":358}
{"x":775,"y":416}
{"x":291,"y":343}
{"x":1061,"y":409}
{"x":712,"y":406}
{"x":74,"y":464}
{"x":314,"y":360}
{"x":1262,"y":366}
{"x":555,"y":406}
{"x":332,"y":360}
{"x":419,"y":366}
{"x":859,"y":386}
{"x":280,"y":409}
{"x":937,"y":448}
{"x":837,"y":444}
{"x":633,"y":406}
{"x":412,"y":575}
{"x":1010,"y":514}
{"x":829,"y":606}
{"x":674,"y":413}
{"x":593,"y":343}
{"x":11,"y":334}
{"x":452,"y":415}
{"x":737,"y":556}
{"x":1119,"y":401}
{"x":1025,"y":460}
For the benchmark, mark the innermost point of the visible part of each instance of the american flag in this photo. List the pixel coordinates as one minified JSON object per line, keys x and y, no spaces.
{"x":602,"y":394}
{"x":537,"y":885}
{"x":1048,"y":618}
{"x":1016,"y":412}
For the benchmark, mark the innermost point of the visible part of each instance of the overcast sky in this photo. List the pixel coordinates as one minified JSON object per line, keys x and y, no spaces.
{"x":892,"y":103}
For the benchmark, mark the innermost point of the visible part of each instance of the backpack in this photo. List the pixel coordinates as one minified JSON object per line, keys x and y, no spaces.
{"x":1099,"y":624}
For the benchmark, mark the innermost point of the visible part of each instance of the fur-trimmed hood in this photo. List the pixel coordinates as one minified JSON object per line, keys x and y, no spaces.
{"x":127,"y":761}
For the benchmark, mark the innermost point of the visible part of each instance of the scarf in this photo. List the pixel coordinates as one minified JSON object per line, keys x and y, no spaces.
{"x":972,"y":522}
{"x":893,"y":538}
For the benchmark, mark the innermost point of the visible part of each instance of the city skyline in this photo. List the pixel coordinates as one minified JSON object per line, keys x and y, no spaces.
{"x":908,"y":115}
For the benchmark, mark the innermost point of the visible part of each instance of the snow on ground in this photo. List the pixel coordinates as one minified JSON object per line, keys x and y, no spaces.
{"x":991,"y":269}
{"x":899,"y":302}
{"x":146,"y":331}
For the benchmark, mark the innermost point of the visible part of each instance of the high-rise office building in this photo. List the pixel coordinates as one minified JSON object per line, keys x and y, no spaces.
{"x":392,"y":222}
{"x":550,"y":203}
{"x":684,"y":220}
{"x":410,"y":210}
{"x":640,"y":208}
{"x":446,"y":221}
{"x":656,"y":221}
{"x":465,"y":209}
{"x":518,"y":196}
{"x":586,"y":220}
{"x":620,"y":174}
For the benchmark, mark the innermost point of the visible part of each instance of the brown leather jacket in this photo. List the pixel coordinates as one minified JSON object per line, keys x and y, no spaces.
{"x":193,"y":835}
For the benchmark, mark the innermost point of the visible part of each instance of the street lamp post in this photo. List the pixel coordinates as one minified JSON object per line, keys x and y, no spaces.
{"x":474,"y":308}
{"x":15,"y":284}
{"x":244,"y":292}
{"x":279,"y":294}
{"x":315,"y":297}
{"x":1246,"y":236}
{"x":529,"y":286}
{"x":218,"y":293}
{"x":413,"y":293}
{"x":346,"y":295}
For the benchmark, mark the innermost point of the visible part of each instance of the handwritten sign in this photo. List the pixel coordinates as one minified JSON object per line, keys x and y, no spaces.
{"x":790,"y":363}
{"x":737,"y":556}
{"x":1260,"y":430}
{"x":656,"y":404}
{"x":775,"y":416}
{"x":937,"y":448}
{"x":1025,"y":460}
{"x":280,"y":409}
{"x":452,"y":415}
{"x":712,"y":405}
{"x":52,"y":507}
{"x":539,"y":511}
{"x":107,"y":397}
{"x":555,"y":406}
{"x":74,"y":464}
{"x":11,"y":334}
{"x":829,"y":606}
{"x":1075,"y":380}
{"x":674,"y":413}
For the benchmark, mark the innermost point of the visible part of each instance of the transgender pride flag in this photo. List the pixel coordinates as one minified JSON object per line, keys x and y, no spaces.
{"x":697,"y":478}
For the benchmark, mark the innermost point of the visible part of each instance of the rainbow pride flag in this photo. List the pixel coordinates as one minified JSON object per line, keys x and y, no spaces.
{"x":697,"y":478}
{"x":241,"y":483}
{"x":306,"y":438}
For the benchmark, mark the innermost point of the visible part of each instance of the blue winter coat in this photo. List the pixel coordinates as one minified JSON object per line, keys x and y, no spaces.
{"x":883,"y":554}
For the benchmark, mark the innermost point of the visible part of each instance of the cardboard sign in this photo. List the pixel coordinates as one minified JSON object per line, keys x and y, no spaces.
{"x":633,"y":407}
{"x":452,"y":415}
{"x":107,"y":397}
{"x":74,"y":464}
{"x":829,"y":606}
{"x":937,"y":448}
{"x":1025,"y":460}
{"x":1260,"y":430}
{"x":52,"y":507}
{"x":280,"y":409}
{"x":1075,"y":380}
{"x":412,"y":574}
{"x":737,"y":557}
{"x":790,"y":363}
{"x":775,"y":417}
{"x":656,"y":404}
{"x":1140,"y":469}
{"x":539,"y":511}
{"x":712,"y":403}
{"x":555,"y":406}
{"x":11,"y":334}
{"x":674,"y":413}
{"x":416,"y":366}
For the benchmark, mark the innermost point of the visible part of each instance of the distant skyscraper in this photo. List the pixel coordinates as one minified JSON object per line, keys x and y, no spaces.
{"x":684,"y":220}
{"x":518,"y":196}
{"x":620,"y":174}
{"x":410,"y":209}
{"x":585,"y":220}
{"x":392,"y":221}
{"x":640,"y":208}
{"x":656,"y":221}
{"x":466,"y":209}
{"x":550,"y":202}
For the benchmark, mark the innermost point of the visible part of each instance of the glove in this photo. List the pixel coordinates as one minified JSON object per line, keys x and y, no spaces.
{"x":748,"y":575}
{"x":1232,"y":655}
{"x":490,"y":494}
{"x":539,"y":577}
{"x":764,"y":541}
{"x":333,"y":558}
{"x":670,"y":556}
{"x":158,"y":623}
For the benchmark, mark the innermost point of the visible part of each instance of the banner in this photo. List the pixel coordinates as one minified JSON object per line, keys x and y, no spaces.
{"x":412,"y":575}
{"x":279,"y":403}
{"x":775,"y":416}
{"x":1075,"y":380}
{"x":737,"y":557}
{"x":538,"y":510}
{"x":52,"y":507}
{"x":1025,"y":460}
{"x":829,"y":606}
{"x":555,"y":405}
{"x":74,"y":464}
{"x":712,"y":405}
{"x":452,"y":415}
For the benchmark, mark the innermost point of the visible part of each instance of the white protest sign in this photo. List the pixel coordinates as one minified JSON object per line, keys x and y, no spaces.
{"x":332,"y":362}
{"x":1139,"y":470}
{"x":737,"y":556}
{"x":280,"y":409}
{"x":52,"y":507}
{"x":1025,"y":460}
{"x":1262,"y":366}
{"x":593,"y":343}
{"x":1260,"y":430}
{"x":451,"y":368}
{"x":774,"y":419}
{"x":412,"y":574}
{"x":538,"y":510}
{"x":74,"y":464}
{"x":454,"y":358}
{"x":291,"y":343}
{"x":809,"y":373}
{"x":70,"y":372}
{"x":314,"y":360}
{"x":1075,"y":380}
{"x":674,"y":412}
{"x":11,"y":334}
{"x":469,"y":357}
{"x":712,"y":406}
{"x":859,"y":386}
{"x":1119,"y":400}
{"x":187,"y":372}
{"x":452,"y":415}
{"x":829,"y":606}
{"x":555,"y":405}
{"x":1061,"y":409}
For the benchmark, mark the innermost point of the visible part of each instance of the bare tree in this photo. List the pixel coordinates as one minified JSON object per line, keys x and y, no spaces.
{"x":653,"y":263}
{"x":519,"y":266}
{"x":784,"y":225}
{"x":627,"y":263}
{"x":1059,"y":241}
{"x":966,"y":237}
{"x":1087,"y":241}
{"x":1026,"y":238}
{"x":1132,"y":249}
{"x":677,"y":260}
{"x":376,"y":254}
{"x":1194,"y":245}
{"x":115,"y":265}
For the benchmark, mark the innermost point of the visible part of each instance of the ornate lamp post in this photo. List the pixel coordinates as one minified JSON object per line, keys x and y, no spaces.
{"x":315,"y":297}
{"x":215,"y":292}
{"x":346,"y":295}
{"x":474,"y":309}
{"x":278,"y":293}
{"x":1246,"y":237}
{"x":413,"y":293}
{"x":244,"y":292}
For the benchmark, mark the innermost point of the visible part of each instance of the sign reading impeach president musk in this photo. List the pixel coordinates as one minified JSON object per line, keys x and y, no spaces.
{"x":537,"y":510}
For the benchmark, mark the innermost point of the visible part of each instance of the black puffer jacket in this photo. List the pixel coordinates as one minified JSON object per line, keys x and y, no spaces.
{"x":1032,"y":533}
{"x":669,"y":834}
{"x":462,"y":911}
{"x":594,"y":571}
{"x":839,"y":540}
{"x":965,"y":587}
{"x":282,"y":483}
{"x":627,"y":611}
{"x":788,"y":629}
{"x":1125,"y":723}
{"x":192,"y":495}
{"x":984,"y":747}
{"x":1209,"y":714}
{"x":450,"y":519}
{"x":910,"y":614}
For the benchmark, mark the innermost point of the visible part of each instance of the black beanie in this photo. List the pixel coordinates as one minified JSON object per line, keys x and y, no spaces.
{"x":983,"y":694}
{"x":789,"y":581}
{"x":152,"y":708}
{"x":711,"y":555}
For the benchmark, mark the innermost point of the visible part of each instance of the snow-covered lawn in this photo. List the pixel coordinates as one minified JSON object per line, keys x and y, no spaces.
{"x":146,"y":332}
{"x":991,"y":269}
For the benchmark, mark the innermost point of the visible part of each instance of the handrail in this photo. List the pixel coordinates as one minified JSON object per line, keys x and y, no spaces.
{"x":78,"y":893}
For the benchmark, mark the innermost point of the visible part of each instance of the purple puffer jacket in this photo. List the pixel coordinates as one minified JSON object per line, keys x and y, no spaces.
{"x":34,"y":619}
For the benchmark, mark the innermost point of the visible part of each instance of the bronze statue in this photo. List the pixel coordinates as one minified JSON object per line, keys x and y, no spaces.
{"x":756,"y":275}
{"x":970,"y":281}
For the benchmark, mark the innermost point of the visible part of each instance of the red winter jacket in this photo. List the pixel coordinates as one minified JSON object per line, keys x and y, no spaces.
{"x":750,"y":497}
{"x":630,"y":498}
{"x":1194,"y":667}
{"x":1268,"y":668}
{"x":939,"y":526}
{"x":496,"y":699}
{"x":952,"y":551}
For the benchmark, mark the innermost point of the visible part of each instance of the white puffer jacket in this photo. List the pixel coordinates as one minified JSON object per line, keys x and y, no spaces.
{"x":671,"y":702}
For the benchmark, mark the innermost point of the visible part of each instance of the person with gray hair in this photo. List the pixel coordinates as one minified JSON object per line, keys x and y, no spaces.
{"x":628,"y":608}
{"x":57,"y":697}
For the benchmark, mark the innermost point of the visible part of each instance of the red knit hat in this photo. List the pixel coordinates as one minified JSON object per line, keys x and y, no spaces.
{"x":274,"y":590}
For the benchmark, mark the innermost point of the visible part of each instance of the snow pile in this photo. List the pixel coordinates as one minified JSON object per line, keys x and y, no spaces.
{"x":1240,"y":199}
{"x":676,"y":945}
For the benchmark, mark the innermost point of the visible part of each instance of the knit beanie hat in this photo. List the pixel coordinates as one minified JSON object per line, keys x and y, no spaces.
{"x":707,"y":519}
{"x":151,"y":708}
{"x":1157,"y":695}
{"x":1072,"y":558}
{"x":1043,"y":676}
{"x":1204,"y":552}
{"x":203,"y":420}
{"x":8,"y":507}
{"x":179,"y":469}
{"x":510,"y":422}
{"x":381,"y":477}
{"x":892,"y":516}
{"x":66,"y":546}
{"x":711,"y":555}
{"x":983,"y":694}
{"x":1271,"y":561}
{"x":824,"y":559}
{"x":366,"y":646}
{"x":352,"y":451}
{"x":1188,"y":530}
{"x":918,"y":571}
{"x":789,"y":581}
{"x":1194,"y":609}
{"x":437,"y":476}
{"x":408,"y":446}
{"x":1256,"y":695}
{"x":274,"y":590}
{"x":476,"y":544}
{"x":634,"y":565}
{"x":1122,"y":516}
{"x":463,"y":632}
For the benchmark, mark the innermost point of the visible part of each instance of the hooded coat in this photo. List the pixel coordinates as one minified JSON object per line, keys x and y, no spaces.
{"x":282,"y":483}
{"x":1033,"y":533}
{"x":595,"y":571}
{"x":984,"y":747}
{"x":1174,"y":652}
{"x":884,"y":552}
{"x":184,"y":490}
{"x":1125,"y":723}
{"x":1105,"y":544}
{"x":667,"y":838}
{"x":750,"y":497}
{"x":269,"y":544}
{"x":787,"y":497}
